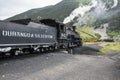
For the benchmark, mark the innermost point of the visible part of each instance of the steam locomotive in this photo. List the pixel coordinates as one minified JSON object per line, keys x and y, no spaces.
{"x":27,"y":35}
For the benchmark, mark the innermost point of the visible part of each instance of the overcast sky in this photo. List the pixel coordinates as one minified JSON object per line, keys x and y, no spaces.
{"x":10,"y":8}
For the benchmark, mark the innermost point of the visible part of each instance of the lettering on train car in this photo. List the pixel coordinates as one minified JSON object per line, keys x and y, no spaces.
{"x":24,"y":34}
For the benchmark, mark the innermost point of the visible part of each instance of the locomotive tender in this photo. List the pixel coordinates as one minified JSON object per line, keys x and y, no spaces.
{"x":26,"y":35}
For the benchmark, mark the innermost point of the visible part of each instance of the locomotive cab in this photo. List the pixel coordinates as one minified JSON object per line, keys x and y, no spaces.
{"x":62,"y":30}
{"x":62,"y":39}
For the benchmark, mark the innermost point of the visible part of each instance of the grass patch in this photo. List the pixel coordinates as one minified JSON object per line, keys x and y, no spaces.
{"x":87,"y":33}
{"x":110,"y":47}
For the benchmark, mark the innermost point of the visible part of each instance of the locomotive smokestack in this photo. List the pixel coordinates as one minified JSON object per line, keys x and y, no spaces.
{"x":74,"y":28}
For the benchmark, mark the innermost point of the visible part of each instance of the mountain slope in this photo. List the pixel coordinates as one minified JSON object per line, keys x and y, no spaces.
{"x":58,"y":11}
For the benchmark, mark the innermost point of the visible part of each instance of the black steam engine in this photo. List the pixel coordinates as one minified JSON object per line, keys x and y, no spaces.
{"x":26,"y":35}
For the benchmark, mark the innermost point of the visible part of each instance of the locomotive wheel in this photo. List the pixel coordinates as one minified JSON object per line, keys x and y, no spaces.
{"x":53,"y":48}
{"x":46,"y":49}
{"x":12,"y":53}
{"x":41,"y":50}
{"x":2,"y":55}
{"x":31,"y":50}
{"x":50,"y":48}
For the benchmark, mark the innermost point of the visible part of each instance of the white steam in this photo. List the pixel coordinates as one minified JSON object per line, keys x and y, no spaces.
{"x":115,"y":3}
{"x":80,"y":11}
{"x":100,"y":9}
{"x":102,"y":30}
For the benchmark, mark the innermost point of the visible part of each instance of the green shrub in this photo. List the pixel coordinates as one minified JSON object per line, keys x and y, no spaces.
{"x":98,"y":36}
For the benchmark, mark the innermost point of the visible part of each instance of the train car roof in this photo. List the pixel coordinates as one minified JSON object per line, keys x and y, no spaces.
{"x":49,"y":22}
{"x":22,"y":21}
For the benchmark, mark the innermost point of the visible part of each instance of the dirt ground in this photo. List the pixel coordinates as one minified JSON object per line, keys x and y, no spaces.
{"x":84,"y":64}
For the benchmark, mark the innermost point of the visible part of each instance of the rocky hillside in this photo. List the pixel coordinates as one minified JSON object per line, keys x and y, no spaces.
{"x":105,"y":12}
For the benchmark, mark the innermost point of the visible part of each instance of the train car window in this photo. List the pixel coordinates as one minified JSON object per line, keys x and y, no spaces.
{"x":62,"y":28}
